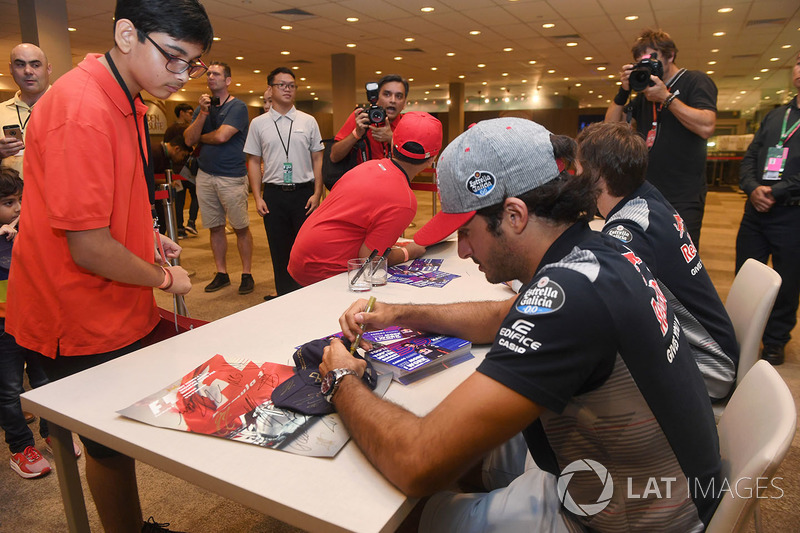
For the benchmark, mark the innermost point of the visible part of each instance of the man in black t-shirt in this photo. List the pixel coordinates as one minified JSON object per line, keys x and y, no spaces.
{"x":675,"y":115}
{"x":588,"y":361}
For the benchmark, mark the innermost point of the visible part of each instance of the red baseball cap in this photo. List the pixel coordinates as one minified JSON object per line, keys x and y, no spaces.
{"x":421,"y":128}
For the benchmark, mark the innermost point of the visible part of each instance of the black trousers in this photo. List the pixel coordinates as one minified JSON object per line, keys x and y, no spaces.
{"x":287,"y":212}
{"x":692,"y":214}
{"x":775,"y":233}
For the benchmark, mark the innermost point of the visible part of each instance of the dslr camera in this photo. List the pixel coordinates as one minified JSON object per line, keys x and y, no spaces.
{"x":376,"y":114}
{"x":640,"y":75}
{"x":215,"y":101}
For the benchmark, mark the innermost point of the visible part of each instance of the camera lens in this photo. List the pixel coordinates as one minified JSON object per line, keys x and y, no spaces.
{"x":640,"y":79}
{"x":376,"y":115}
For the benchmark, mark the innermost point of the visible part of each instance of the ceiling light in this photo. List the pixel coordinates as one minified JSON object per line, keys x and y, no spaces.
{"x":504,"y":74}
{"x":409,"y":39}
{"x":398,"y":58}
{"x":484,"y":83}
{"x":774,"y":58}
{"x":302,"y":79}
{"x":578,"y":84}
{"x":724,"y":10}
{"x":764,"y":70}
{"x":486,"y":101}
{"x":786,"y":46}
{"x":437,"y":85}
{"x":588,"y":58}
{"x":714,"y":50}
{"x":532,"y":62}
{"x":256,"y":71}
{"x":251,"y":92}
{"x":572,"y":44}
{"x":351,"y":45}
{"x":601,"y":68}
{"x":481,"y":65}
{"x":352,"y":19}
{"x":632,"y":17}
{"x":434,"y":68}
{"x":756,"y":78}
{"x":239,"y":58}
{"x":461,"y":76}
{"x":551,"y":71}
{"x":742,"y":92}
{"x":410,"y":79}
{"x":295,"y":67}
{"x":72,"y":29}
{"x":709,"y":72}
{"x":611,"y":76}
{"x":475,"y":32}
{"x":450,"y":54}
{"x":524,"y":81}
{"x":718,"y":33}
{"x":712,"y":62}
{"x":427,"y":9}
{"x":507,"y":49}
{"x":566,"y":78}
{"x":284,"y":52}
{"x":238,"y":84}
{"x":548,"y":25}
{"x":378,"y":72}
{"x":286,"y":27}
{"x":427,"y":92}
{"x":217,"y":38}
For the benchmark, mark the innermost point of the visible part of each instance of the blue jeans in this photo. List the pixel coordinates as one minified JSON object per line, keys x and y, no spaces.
{"x":12,"y":364}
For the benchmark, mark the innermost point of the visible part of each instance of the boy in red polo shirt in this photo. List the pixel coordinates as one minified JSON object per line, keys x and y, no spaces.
{"x":80,"y":293}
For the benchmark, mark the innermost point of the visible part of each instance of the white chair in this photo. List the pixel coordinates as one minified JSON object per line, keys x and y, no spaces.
{"x":755,"y":433}
{"x":749,"y":304}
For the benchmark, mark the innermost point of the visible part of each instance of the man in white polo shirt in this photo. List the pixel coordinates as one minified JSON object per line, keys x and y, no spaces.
{"x":290,"y":145}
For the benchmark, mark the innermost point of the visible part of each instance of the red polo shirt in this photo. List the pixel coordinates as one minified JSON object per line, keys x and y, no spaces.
{"x":82,"y":171}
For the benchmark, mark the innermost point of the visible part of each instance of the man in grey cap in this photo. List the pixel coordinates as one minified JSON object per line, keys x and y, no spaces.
{"x":588,"y":361}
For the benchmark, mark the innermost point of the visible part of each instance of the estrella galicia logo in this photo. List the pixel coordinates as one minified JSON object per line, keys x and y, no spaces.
{"x":481,"y":182}
{"x":621,"y":233}
{"x":588,"y":508}
{"x":545,"y":296}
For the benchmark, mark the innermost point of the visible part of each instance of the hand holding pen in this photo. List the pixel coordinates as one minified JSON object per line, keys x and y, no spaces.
{"x":370,"y":305}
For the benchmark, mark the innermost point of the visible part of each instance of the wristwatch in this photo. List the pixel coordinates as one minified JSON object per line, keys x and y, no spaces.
{"x":331,"y":381}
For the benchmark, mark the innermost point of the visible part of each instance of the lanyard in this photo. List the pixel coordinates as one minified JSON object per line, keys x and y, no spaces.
{"x":785,"y":134}
{"x":22,"y":125}
{"x":149,"y":175}
{"x":289,"y":140}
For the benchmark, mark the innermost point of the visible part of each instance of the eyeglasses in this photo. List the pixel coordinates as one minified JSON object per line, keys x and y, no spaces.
{"x":175,"y":64}
{"x":284,"y":86}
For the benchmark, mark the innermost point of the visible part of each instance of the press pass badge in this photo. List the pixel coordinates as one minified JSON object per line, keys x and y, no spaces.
{"x":287,"y":172}
{"x":776,"y":161}
{"x":651,"y":135}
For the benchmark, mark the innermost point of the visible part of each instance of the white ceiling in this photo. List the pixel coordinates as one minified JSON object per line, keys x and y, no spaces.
{"x":249,"y":28}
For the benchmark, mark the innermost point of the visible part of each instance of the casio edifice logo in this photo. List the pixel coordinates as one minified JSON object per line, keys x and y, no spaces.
{"x":481,"y":182}
{"x":545,"y":296}
{"x":621,"y":233}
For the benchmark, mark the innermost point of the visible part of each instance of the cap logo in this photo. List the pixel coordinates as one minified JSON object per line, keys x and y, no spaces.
{"x":481,"y":183}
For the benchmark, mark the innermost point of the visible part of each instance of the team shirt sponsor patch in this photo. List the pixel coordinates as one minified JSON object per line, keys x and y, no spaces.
{"x":546,"y":296}
{"x":481,"y":183}
{"x":621,"y":233}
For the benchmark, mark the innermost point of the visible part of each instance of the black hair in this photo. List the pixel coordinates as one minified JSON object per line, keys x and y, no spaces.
{"x":393,"y":77}
{"x":657,"y":40}
{"x":10,"y":182}
{"x":414,"y":148}
{"x":279,"y":70}
{"x":180,"y":108}
{"x":565,"y":199}
{"x":184,"y":20}
{"x":226,"y":68}
{"x":614,"y":153}
{"x":174,"y":135}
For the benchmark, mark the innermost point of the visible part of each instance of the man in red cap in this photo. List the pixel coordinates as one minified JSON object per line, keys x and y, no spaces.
{"x":369,"y":208}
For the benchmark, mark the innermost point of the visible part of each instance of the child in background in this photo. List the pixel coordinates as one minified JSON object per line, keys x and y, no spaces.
{"x":25,"y":458}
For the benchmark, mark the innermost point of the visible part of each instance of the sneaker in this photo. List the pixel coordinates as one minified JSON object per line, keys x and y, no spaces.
{"x":181,"y":233}
{"x":247,"y":285}
{"x":29,"y":463}
{"x":773,"y":354}
{"x":151,"y":526}
{"x":49,"y":447}
{"x":190,"y":228}
{"x":221,"y":279}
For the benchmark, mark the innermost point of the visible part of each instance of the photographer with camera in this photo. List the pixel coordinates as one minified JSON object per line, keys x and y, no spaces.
{"x":220,"y":124}
{"x":675,"y":112}
{"x":390,"y":97}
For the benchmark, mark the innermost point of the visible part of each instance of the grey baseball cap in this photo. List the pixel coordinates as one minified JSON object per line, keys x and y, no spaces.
{"x":492,"y":160}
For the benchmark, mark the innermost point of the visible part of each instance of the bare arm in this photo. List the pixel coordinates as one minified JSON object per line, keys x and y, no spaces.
{"x":340,"y":149}
{"x":254,"y":176}
{"x":423,"y":455}
{"x":220,"y":135}
{"x":316,"y":165}
{"x":192,"y":133}
{"x":699,"y":121}
{"x":477,"y":322}
{"x":98,"y":252}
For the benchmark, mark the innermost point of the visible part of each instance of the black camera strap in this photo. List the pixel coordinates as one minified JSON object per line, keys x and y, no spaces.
{"x":147,"y":162}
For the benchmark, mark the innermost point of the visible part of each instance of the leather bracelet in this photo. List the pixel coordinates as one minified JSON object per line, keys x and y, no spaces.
{"x":622,"y":96}
{"x":167,"y":283}
{"x":668,"y":100}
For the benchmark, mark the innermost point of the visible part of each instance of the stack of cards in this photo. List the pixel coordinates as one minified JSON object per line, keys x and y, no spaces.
{"x":421,"y":273}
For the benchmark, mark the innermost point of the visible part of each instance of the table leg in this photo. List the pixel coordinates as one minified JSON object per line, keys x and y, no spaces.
{"x":69,"y":479}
